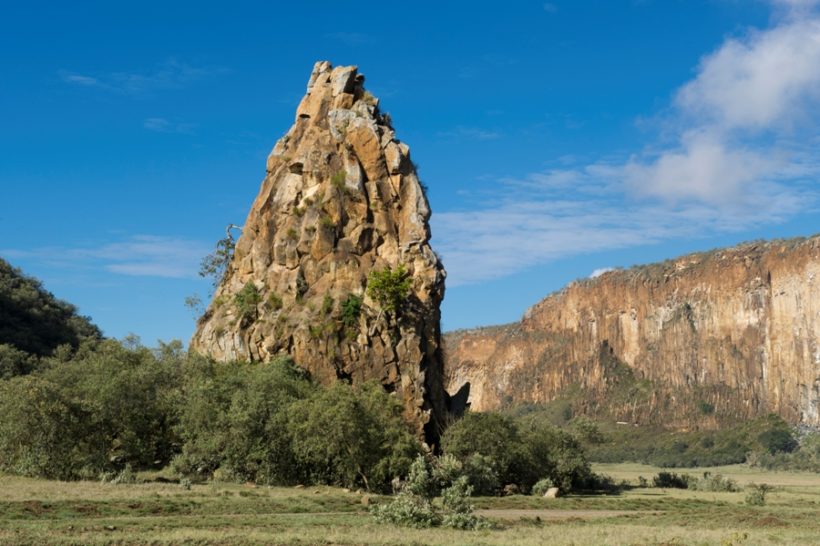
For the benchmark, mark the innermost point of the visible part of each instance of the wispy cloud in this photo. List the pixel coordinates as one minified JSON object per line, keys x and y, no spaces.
{"x":469,"y":133}
{"x":742,"y":154}
{"x":350,"y":38}
{"x":162,"y":125}
{"x":171,"y":74}
{"x":140,"y":255}
{"x":600,"y":271}
{"x":549,"y":7}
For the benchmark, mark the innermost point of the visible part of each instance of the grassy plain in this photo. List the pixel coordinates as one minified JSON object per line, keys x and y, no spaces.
{"x":48,"y":512}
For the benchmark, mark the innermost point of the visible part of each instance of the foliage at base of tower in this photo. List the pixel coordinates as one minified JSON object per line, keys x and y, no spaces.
{"x":111,"y":406}
{"x":415,"y":504}
{"x":98,"y":410}
{"x":497,"y":450}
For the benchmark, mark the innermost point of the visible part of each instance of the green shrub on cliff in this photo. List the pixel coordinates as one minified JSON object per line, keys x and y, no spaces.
{"x":389,"y":287}
{"x":246,"y":301}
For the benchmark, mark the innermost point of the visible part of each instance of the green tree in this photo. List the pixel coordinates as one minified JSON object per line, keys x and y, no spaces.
{"x":352,"y":436}
{"x":493,"y":436}
{"x":389,"y":287}
{"x":246,"y":301}
{"x":215,"y":264}
{"x":101,"y":409}
{"x":235,"y":419}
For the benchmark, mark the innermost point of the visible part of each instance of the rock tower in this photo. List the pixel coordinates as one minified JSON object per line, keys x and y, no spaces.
{"x":340,"y":199}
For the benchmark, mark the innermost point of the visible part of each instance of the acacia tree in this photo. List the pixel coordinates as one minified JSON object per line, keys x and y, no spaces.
{"x":216,"y":263}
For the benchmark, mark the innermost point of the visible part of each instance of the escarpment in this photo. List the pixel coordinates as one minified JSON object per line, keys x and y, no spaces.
{"x":341,"y":199}
{"x":728,"y":334}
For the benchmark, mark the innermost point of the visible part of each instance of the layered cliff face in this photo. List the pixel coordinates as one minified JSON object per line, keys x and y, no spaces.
{"x":728,"y":334}
{"x":341,"y":199}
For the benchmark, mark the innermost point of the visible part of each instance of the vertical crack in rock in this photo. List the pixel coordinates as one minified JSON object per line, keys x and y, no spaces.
{"x":341,"y":199}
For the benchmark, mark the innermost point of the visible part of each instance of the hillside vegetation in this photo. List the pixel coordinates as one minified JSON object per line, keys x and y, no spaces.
{"x":33,"y":323}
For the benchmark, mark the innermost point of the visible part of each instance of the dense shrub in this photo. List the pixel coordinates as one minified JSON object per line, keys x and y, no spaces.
{"x":247,"y":301}
{"x":497,"y":450}
{"x":731,"y":444}
{"x":495,"y":437}
{"x":757,"y":494}
{"x":541,"y":487}
{"x":715,"y":483}
{"x":106,"y":407}
{"x":426,"y":479}
{"x":389,"y":287}
{"x":235,"y":419}
{"x":352,"y":436}
{"x":805,"y":457}
{"x":776,"y":440}
{"x":14,"y":362}
{"x":672,"y":480}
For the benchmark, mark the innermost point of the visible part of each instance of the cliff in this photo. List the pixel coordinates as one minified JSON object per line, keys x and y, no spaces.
{"x":723,"y":335}
{"x":340,"y":200}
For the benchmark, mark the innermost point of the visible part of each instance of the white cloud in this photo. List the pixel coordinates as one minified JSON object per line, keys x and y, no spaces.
{"x":705,"y":168}
{"x":171,"y":74}
{"x":761,"y":82}
{"x":162,"y":125}
{"x":140,"y":255}
{"x":598,"y":272}
{"x":470,"y":133}
{"x":743,"y":153}
{"x":744,"y":121}
{"x":539,"y":221}
{"x":79,"y":79}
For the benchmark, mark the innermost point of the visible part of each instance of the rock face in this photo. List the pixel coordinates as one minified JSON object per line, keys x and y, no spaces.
{"x":341,"y":199}
{"x":728,"y":334}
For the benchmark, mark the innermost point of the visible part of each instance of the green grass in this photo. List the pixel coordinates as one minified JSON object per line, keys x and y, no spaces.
{"x":49,"y":512}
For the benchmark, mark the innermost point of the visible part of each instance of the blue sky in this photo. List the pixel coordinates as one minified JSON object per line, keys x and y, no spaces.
{"x":556,"y":138}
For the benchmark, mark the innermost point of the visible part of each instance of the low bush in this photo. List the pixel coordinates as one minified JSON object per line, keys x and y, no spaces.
{"x":715,"y":483}
{"x":541,"y":487}
{"x":426,"y":479}
{"x":672,"y":480}
{"x":757,"y":494}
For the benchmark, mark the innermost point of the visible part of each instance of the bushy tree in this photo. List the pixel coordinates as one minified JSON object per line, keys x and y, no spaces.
{"x":779,"y":439}
{"x":215,"y":264}
{"x":389,"y":287}
{"x":14,"y":362}
{"x":493,"y":436}
{"x":103,"y":408}
{"x":352,"y":436}
{"x":235,"y":419}
{"x":427,"y":478}
{"x":247,"y":301}
{"x":496,"y":450}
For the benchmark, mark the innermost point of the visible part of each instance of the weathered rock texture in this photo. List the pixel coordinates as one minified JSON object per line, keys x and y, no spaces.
{"x":340,"y":199}
{"x":728,"y":334}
